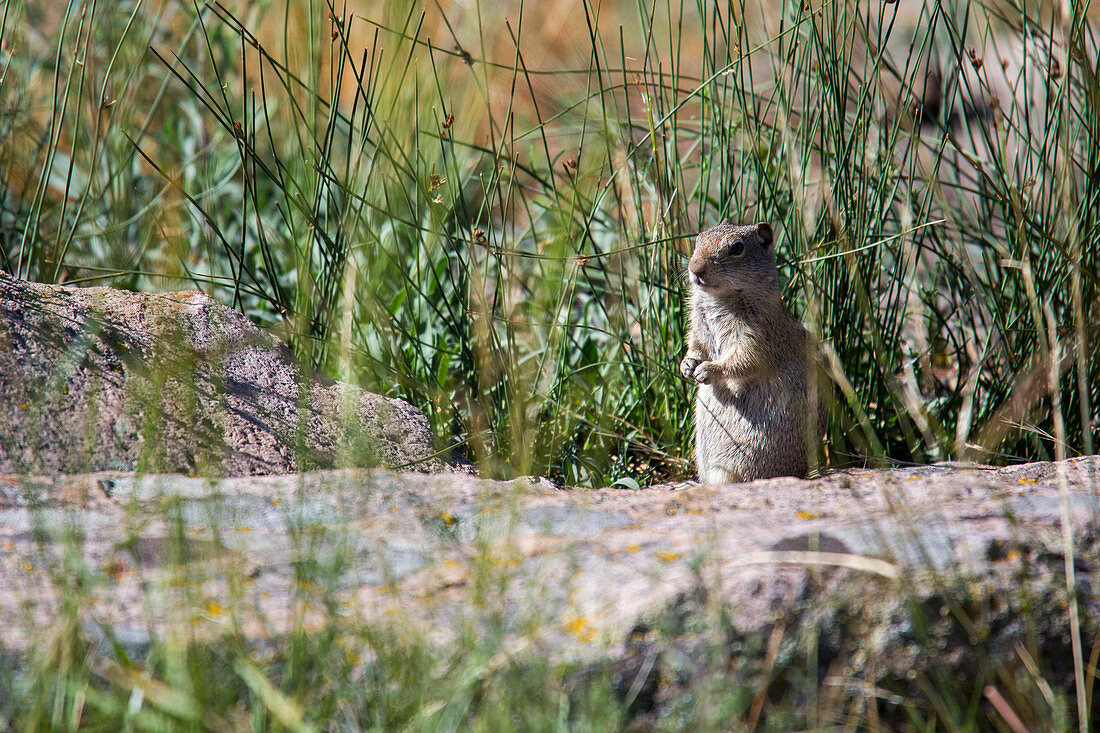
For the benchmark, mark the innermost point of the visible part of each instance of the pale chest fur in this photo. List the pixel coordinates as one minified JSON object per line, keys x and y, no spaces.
{"x":722,"y":329}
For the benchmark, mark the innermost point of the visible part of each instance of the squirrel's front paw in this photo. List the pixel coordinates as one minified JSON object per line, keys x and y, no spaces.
{"x":705,"y":372}
{"x":687,"y":367}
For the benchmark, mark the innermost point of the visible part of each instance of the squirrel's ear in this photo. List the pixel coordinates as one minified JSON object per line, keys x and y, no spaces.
{"x":764,"y":229}
{"x":724,"y":221}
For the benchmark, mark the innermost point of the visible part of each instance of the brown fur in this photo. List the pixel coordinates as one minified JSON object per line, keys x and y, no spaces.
{"x":751,"y":358}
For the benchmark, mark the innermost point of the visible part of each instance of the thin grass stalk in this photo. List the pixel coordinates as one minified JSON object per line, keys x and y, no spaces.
{"x":1068,"y":550}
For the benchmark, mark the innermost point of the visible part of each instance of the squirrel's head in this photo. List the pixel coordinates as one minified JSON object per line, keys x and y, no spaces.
{"x":732,"y":257}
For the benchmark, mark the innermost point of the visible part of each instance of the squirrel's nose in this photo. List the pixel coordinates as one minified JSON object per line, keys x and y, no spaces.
{"x":696,"y":267}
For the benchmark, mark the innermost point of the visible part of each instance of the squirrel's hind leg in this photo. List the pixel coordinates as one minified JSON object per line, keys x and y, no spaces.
{"x":718,"y":475}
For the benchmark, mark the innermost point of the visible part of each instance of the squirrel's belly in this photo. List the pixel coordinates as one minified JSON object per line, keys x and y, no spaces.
{"x":747,"y":432}
{"x":727,"y":420}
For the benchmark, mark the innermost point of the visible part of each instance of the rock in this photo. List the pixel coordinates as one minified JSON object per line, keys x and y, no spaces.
{"x":890,"y":582}
{"x":100,"y":379}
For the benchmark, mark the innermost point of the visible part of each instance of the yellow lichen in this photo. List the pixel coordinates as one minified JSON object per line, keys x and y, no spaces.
{"x":581,"y":629}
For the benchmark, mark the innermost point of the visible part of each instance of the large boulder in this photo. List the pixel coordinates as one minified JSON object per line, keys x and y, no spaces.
{"x":103,"y":379}
{"x":881,"y":594}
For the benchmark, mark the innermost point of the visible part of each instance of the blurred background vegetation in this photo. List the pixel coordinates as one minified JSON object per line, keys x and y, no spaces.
{"x":485,"y":208}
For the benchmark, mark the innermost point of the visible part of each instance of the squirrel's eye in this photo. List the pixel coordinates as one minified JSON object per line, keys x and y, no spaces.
{"x":737,"y":248}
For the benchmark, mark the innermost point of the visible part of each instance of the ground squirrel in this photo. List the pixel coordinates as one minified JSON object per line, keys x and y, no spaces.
{"x":751,"y":358}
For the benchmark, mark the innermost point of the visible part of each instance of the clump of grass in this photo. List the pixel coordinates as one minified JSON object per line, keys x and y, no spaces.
{"x":513,"y":268}
{"x":500,"y":241}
